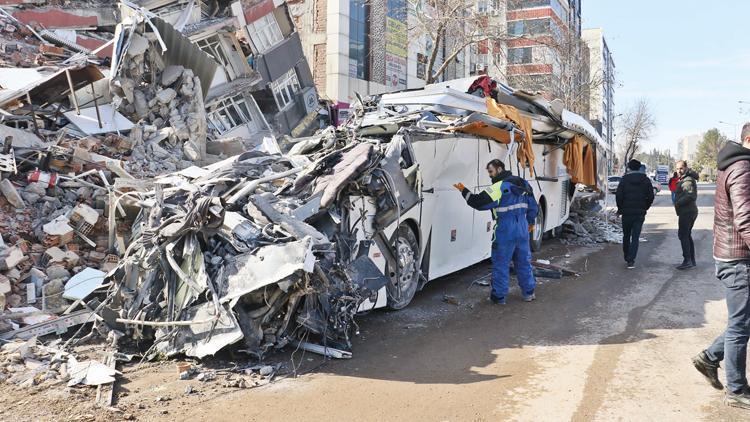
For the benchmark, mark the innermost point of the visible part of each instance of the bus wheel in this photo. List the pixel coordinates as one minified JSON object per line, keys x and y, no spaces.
{"x":403,"y":284}
{"x":538,"y":233}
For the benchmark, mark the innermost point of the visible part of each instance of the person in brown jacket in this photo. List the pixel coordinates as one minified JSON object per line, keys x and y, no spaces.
{"x":732,"y":256}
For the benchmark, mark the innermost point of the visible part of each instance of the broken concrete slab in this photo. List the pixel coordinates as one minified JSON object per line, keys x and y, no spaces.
{"x":11,"y":194}
{"x":11,"y":257}
{"x":170,"y":74}
{"x":89,"y":119}
{"x":22,"y":139}
{"x":90,"y":373}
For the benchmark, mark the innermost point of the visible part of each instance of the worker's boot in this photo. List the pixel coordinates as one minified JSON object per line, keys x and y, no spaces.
{"x":709,"y":369}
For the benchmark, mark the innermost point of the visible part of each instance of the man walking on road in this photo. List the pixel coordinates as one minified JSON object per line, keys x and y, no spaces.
{"x":514,"y":210}
{"x":635,"y":194}
{"x":732,"y":255}
{"x":686,"y":196}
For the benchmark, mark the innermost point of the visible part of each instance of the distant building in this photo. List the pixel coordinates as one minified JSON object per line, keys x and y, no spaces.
{"x":602,"y":88}
{"x":357,"y":47}
{"x":546,"y":47}
{"x":687,"y":146}
{"x":371,"y":47}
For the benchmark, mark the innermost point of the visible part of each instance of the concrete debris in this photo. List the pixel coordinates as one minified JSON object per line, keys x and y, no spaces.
{"x":589,"y":224}
{"x":11,"y":194}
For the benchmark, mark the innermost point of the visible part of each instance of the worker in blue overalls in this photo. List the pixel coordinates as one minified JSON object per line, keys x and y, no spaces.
{"x":514,"y":210}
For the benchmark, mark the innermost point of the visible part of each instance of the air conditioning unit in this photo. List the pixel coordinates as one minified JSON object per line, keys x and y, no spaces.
{"x":309,"y":98}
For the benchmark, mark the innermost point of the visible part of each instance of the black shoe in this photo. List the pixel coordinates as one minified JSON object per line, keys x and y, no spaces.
{"x":631,"y":265}
{"x":685,"y":266}
{"x":709,"y":369}
{"x":497,"y":301}
{"x":741,"y":399}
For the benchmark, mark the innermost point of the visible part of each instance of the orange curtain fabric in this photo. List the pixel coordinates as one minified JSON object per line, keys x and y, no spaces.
{"x":482,"y":129}
{"x":589,"y":166}
{"x":507,"y":112}
{"x":573,"y":158}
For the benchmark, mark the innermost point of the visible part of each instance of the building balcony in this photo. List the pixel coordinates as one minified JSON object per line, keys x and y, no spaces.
{"x":275,"y":62}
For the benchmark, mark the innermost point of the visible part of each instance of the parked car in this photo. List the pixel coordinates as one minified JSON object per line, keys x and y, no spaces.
{"x":612,"y":183}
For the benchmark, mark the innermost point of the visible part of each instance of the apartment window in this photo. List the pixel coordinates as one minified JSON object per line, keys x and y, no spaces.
{"x":358,"y":45}
{"x":482,"y":6}
{"x":528,"y":4}
{"x":229,"y":113}
{"x":519,"y":55}
{"x":284,"y":88}
{"x":265,"y":33}
{"x":531,"y":27}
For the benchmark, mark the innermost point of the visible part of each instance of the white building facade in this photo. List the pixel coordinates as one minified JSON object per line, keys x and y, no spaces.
{"x":602,"y":87}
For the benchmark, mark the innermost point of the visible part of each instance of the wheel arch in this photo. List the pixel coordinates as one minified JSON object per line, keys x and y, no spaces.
{"x":543,"y":207}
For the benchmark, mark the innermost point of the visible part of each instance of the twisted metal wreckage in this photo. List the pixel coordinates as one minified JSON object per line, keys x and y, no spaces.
{"x":244,"y":250}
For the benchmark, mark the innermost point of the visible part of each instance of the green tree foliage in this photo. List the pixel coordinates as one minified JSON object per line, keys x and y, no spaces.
{"x":708,"y":150}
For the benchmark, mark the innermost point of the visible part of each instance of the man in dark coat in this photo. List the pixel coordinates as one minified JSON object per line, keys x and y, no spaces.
{"x":635,"y":194}
{"x":685,"y":197}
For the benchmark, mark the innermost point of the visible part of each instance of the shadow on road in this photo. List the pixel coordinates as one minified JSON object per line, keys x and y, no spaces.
{"x":432,"y":342}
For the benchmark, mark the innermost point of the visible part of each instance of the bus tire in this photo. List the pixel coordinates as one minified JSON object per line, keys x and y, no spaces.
{"x":537,"y":235}
{"x":403,"y":286}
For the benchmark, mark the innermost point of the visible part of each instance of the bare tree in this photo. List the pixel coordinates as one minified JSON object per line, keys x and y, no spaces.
{"x":450,"y":27}
{"x":571,"y":80}
{"x":637,"y":126}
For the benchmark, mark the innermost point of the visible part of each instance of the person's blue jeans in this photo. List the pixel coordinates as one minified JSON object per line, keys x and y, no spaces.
{"x":731,"y":346}
{"x":631,"y":233}
{"x":519,"y":251}
{"x":674,"y":194}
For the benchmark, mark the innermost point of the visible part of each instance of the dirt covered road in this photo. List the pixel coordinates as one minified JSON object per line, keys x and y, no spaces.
{"x":613,"y":344}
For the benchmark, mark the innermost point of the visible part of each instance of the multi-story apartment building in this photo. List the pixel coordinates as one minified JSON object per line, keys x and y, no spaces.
{"x":601,"y":84}
{"x":374,"y":46}
{"x":357,"y":47}
{"x":544,"y":49}
{"x":287,"y":93}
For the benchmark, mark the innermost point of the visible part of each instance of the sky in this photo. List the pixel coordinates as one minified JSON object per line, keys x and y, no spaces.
{"x":690,"y":59}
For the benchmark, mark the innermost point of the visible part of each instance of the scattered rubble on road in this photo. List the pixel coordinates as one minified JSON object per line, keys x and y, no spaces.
{"x":590,"y":223}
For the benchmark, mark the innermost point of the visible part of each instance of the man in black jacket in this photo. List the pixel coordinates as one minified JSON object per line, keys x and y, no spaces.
{"x":685,"y":197}
{"x":635,"y":194}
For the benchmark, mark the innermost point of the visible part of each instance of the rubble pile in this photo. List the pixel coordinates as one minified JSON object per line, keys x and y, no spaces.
{"x":589,"y":223}
{"x":28,"y":364}
{"x":166,"y":101}
{"x":20,"y":46}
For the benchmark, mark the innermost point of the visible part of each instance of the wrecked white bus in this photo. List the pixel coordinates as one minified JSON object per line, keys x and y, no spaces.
{"x":435,"y":233}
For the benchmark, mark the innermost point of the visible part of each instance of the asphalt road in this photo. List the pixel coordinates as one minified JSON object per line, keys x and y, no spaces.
{"x":613,"y":344}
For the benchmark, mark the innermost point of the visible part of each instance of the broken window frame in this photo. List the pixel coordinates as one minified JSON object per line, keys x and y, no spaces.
{"x":213,"y":46}
{"x":229,"y":113}
{"x":265,"y":33}
{"x":286,"y":88}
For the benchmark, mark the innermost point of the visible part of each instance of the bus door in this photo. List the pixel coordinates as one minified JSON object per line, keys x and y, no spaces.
{"x":452,"y":222}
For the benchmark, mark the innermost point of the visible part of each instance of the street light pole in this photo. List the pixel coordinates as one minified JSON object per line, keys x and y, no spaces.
{"x":734,"y":125}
